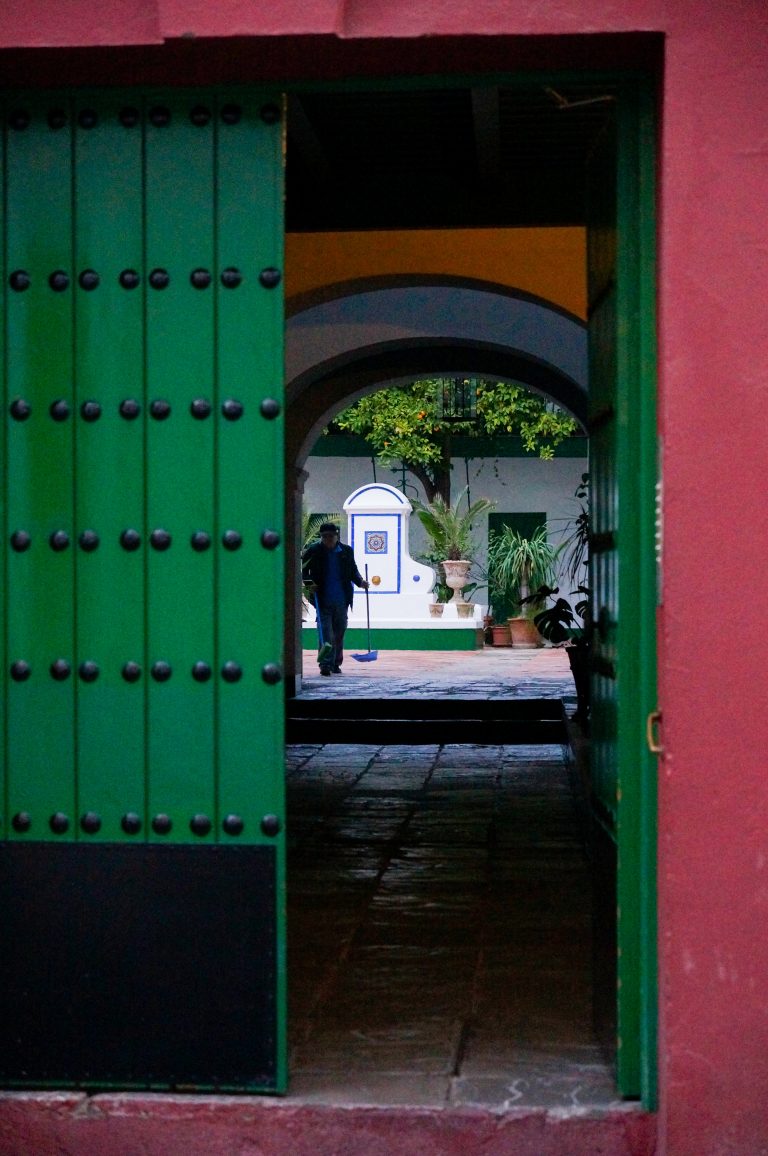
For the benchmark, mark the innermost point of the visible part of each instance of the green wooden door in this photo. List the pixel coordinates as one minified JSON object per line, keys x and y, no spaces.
{"x":142,"y":863}
{"x":623,"y":580}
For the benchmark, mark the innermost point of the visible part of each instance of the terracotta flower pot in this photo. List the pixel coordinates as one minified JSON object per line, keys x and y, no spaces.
{"x":524,"y":633}
{"x":436,"y":609}
{"x":501,"y":635}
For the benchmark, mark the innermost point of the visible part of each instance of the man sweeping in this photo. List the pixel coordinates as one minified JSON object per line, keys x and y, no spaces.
{"x":329,"y":569}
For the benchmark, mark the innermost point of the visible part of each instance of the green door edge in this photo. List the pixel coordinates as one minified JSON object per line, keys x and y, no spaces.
{"x":637,"y":454}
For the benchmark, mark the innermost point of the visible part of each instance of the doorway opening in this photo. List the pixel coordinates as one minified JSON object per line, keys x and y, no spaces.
{"x":441,"y":164}
{"x":433,"y":888}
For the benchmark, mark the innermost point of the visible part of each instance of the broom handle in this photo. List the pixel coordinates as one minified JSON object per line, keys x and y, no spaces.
{"x":367,"y":609}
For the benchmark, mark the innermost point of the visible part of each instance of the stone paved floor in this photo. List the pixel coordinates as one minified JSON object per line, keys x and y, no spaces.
{"x":493,"y":672}
{"x":439,"y":907}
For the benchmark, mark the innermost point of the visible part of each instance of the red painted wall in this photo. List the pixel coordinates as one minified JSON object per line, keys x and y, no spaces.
{"x":713,"y":883}
{"x":713,"y":378}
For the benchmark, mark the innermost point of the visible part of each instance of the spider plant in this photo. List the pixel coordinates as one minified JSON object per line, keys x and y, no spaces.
{"x":517,"y":565}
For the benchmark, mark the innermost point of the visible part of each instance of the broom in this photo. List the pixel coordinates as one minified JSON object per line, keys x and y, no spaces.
{"x":325,"y":647}
{"x":372,"y":655}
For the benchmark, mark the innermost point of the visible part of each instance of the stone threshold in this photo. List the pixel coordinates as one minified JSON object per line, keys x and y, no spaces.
{"x":69,"y":1123}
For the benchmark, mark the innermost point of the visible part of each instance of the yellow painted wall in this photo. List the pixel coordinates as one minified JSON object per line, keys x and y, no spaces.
{"x":550,"y":263}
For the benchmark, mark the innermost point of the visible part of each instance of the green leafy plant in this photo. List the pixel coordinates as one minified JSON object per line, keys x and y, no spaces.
{"x":572,"y":628}
{"x":575,"y":545}
{"x":517,"y":565}
{"x":561,"y":623}
{"x":310,"y":526}
{"x":404,"y":424}
{"x":449,"y":529}
{"x":468,"y":592}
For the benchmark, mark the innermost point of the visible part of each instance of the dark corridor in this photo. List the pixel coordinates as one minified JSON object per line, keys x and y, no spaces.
{"x":440,"y":926}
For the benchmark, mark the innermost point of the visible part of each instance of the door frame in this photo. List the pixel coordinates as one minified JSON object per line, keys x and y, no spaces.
{"x":635,"y":832}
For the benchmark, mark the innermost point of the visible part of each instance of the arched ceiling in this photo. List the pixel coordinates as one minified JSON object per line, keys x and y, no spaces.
{"x":344,"y":347}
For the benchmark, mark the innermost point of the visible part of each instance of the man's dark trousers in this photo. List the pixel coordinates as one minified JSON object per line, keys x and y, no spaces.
{"x":333,"y":620}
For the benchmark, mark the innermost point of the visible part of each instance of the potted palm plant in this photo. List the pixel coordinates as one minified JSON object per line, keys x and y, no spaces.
{"x":516,"y":566}
{"x":450,"y":532}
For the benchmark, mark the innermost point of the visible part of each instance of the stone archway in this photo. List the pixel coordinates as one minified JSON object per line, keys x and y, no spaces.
{"x":352,"y":338}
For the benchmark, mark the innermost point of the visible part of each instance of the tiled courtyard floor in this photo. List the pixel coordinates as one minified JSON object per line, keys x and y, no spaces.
{"x":440,"y":907}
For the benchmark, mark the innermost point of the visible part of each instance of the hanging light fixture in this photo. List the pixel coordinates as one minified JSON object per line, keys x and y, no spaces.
{"x":457,"y":399}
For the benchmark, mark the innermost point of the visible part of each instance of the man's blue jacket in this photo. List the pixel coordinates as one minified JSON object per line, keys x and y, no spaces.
{"x":313,"y":569}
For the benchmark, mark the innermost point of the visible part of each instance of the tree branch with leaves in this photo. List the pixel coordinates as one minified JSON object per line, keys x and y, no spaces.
{"x":405,"y":425}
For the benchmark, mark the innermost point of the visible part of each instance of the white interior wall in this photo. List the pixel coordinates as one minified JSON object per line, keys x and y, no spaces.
{"x":513,"y":484}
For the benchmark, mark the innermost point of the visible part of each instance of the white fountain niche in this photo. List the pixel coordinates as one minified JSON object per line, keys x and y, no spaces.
{"x":400,"y":592}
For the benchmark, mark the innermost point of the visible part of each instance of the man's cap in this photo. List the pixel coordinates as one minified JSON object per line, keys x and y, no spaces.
{"x":328,"y":528}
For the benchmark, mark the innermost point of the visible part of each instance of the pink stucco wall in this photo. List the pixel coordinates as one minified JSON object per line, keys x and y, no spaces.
{"x":713,"y":369}
{"x":713,"y":851}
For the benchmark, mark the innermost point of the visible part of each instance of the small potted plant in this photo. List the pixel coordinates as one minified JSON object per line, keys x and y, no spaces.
{"x":466,"y":608}
{"x":442,"y":593}
{"x":517,"y":565}
{"x":500,"y":635}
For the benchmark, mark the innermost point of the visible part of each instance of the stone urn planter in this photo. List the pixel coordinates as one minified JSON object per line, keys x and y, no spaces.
{"x":456,"y":576}
{"x":524,"y":634}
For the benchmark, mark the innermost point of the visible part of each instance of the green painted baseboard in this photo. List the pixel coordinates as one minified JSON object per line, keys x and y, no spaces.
{"x":416,"y":639}
{"x":501,"y":446}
